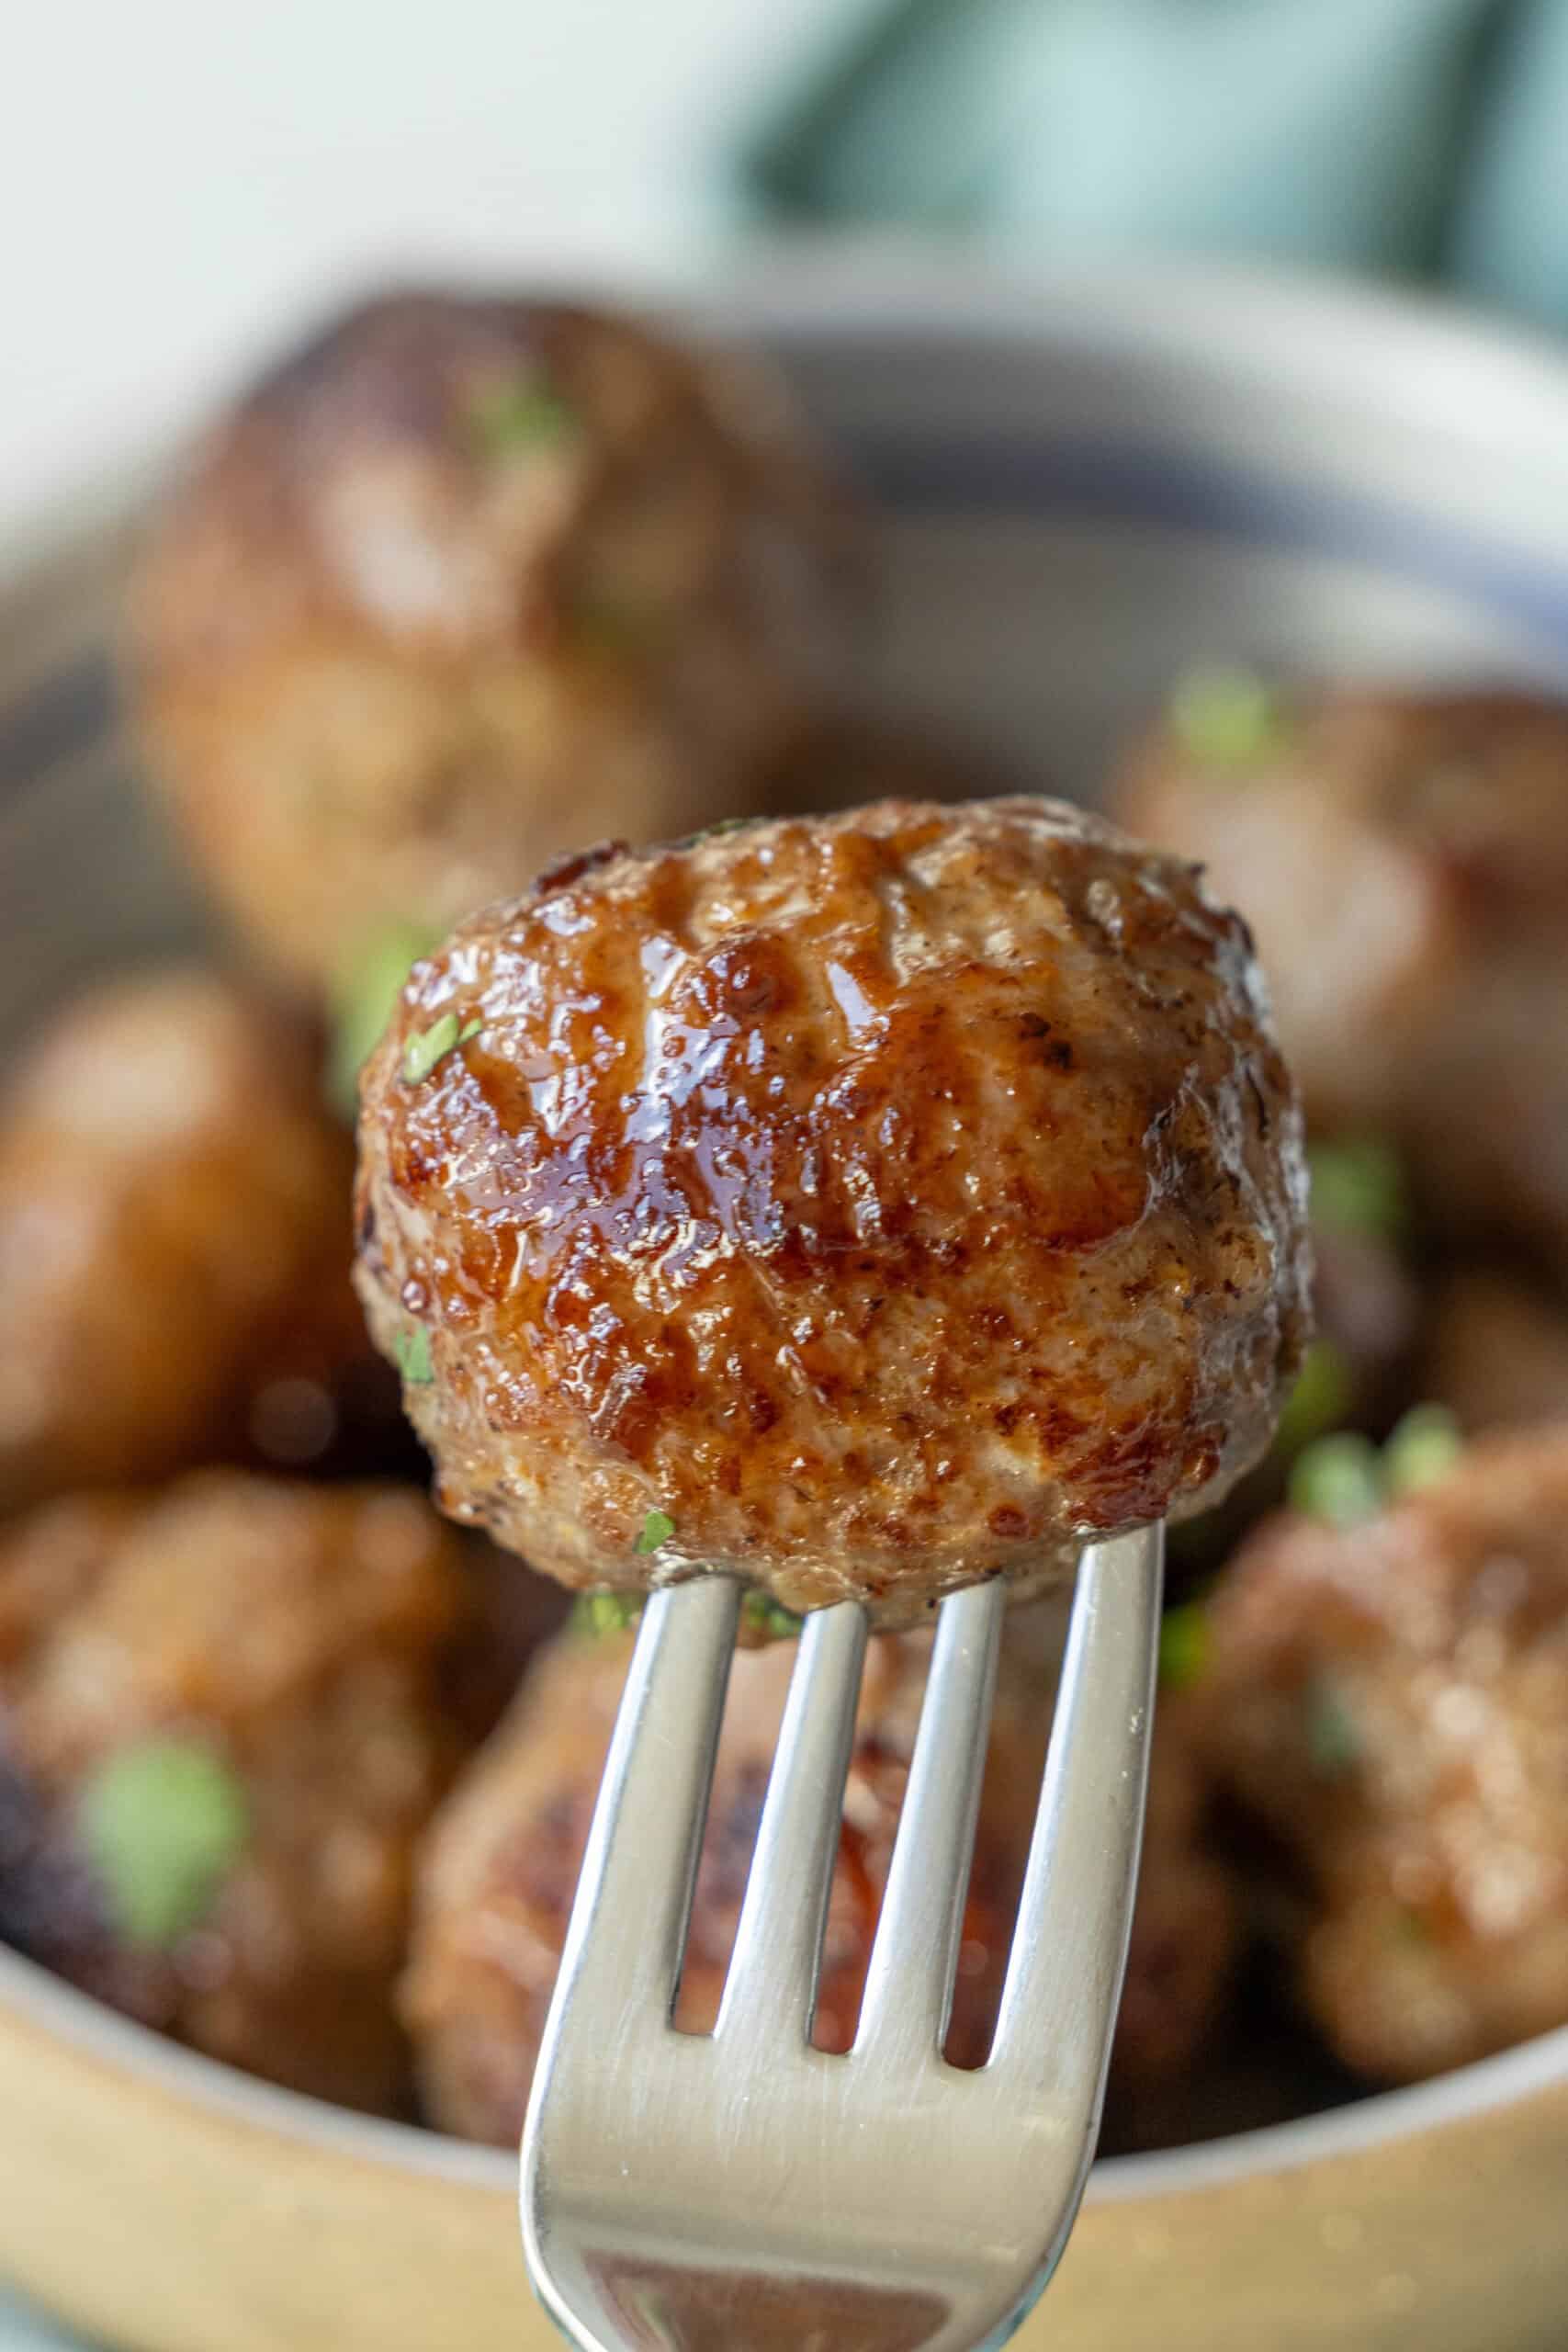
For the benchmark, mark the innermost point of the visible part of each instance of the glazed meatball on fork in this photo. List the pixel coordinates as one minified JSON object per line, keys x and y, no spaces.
{"x":889,"y":1213}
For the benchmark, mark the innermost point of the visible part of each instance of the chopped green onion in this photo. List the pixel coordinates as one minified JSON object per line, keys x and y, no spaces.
{"x":425,"y":1047}
{"x":469,"y":1030}
{"x":1227,"y":718}
{"x":1322,"y":1397}
{"x":1338,"y":1478}
{"x":1358,"y":1186}
{"x":364,"y":1001}
{"x":1334,"y":1741}
{"x":162,"y":1823}
{"x":412,"y":1352}
{"x":509,"y":417}
{"x":1421,"y":1448}
{"x":606,"y":1613}
{"x":760,"y":1613}
{"x":1183,"y":1645}
{"x":657,"y":1529}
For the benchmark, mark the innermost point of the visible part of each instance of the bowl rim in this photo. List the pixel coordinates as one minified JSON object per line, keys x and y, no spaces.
{"x":1432,"y":363}
{"x":102,"y":2035}
{"x":1436,"y":365}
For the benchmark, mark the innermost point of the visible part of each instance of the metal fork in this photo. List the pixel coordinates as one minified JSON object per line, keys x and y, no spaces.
{"x":743,"y":2191}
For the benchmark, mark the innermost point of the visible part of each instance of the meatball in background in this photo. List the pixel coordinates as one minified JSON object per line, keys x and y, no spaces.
{"x":1495,"y":1350}
{"x":227,"y":1711}
{"x":174,"y":1243}
{"x":1403,"y":859}
{"x":463,"y":584}
{"x":499,"y":1871}
{"x":862,"y":1206}
{"x":1389,"y":1699}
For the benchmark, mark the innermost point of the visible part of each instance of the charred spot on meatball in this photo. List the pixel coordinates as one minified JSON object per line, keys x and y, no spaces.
{"x":863,"y":1206}
{"x":469,"y":581}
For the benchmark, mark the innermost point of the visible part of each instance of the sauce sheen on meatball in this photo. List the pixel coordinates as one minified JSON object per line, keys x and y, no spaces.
{"x":864,"y":1205}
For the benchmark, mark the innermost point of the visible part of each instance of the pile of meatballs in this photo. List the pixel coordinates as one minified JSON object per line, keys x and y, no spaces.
{"x":650,"y":1120}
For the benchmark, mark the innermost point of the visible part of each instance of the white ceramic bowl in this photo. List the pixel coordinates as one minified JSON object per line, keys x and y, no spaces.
{"x":1091,"y":481}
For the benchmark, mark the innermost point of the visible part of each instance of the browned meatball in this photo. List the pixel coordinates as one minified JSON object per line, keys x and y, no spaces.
{"x":1390,"y":1700}
{"x":500,"y":1869}
{"x":1404,"y":861}
{"x":464,"y":580}
{"x":1495,"y":1348}
{"x":288,"y":1655}
{"x":175,"y":1242}
{"x":864,"y":1206}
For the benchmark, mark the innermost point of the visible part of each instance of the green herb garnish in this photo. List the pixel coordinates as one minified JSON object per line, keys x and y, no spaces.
{"x":1183,"y":1645}
{"x":1322,"y":1397}
{"x":411,"y":1350}
{"x":1358,"y":1186}
{"x":1334,"y":1741}
{"x":162,"y":1823}
{"x":1338,"y":1478}
{"x":657,"y":1529}
{"x":364,"y":1001}
{"x":606,"y":1613}
{"x":1421,"y":1447}
{"x":426,"y":1047}
{"x":508,"y":418}
{"x":760,"y":1613}
{"x":1227,"y":718}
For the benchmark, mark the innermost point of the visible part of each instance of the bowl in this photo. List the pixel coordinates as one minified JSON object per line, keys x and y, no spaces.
{"x":1091,"y":481}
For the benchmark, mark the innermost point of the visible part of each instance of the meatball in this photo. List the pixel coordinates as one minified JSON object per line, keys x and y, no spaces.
{"x":499,"y":1871}
{"x":462,"y":581}
{"x":1404,"y":860}
{"x":1495,"y":1348}
{"x":1389,"y":1699}
{"x":227,"y":1711}
{"x":863,"y":1206}
{"x":174,"y":1243}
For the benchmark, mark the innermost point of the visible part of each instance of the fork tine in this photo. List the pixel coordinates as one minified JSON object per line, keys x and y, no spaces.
{"x":629,"y":1926}
{"x":1070,"y":1947}
{"x":914,"y":1959}
{"x":772,"y":1987}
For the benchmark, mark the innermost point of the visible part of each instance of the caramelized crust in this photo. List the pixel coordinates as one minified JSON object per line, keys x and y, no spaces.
{"x":887,"y":1200}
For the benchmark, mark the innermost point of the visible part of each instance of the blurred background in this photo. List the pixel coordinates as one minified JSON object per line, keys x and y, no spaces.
{"x":179,"y":181}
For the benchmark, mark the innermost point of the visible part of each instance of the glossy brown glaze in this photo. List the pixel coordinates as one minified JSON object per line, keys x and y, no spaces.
{"x":1390,"y":1700}
{"x":174,"y":1242}
{"x":312,"y":1637}
{"x":1403,"y":860}
{"x":464,"y":580}
{"x":890,"y":1201}
{"x":500,"y":1870}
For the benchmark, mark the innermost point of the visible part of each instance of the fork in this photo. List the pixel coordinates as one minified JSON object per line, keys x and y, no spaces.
{"x":743,"y":2191}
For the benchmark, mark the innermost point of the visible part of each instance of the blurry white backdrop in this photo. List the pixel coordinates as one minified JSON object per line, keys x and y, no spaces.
{"x":180,"y":180}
